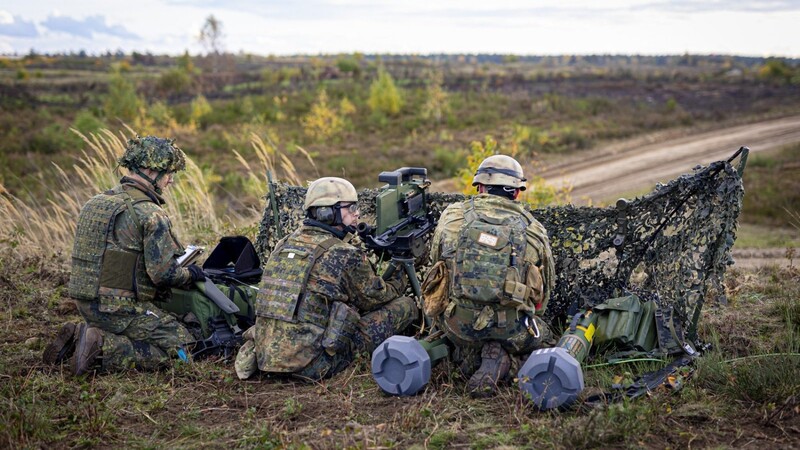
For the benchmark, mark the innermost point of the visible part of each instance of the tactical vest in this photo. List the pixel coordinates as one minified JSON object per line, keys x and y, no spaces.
{"x":286,"y":276}
{"x":96,"y":261}
{"x":489,"y":263}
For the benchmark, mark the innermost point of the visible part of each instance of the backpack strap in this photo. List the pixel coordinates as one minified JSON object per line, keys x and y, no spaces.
{"x":469,"y":212}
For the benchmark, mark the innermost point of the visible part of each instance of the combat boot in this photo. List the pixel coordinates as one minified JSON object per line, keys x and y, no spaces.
{"x":62,"y":347}
{"x":87,"y":349}
{"x":495,"y":364}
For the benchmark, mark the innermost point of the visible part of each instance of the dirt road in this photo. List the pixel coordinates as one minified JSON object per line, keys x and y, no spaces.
{"x":636,"y":166}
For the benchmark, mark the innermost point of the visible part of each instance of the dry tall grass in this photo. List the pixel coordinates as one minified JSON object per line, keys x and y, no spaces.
{"x":46,"y":227}
{"x":270,"y":159}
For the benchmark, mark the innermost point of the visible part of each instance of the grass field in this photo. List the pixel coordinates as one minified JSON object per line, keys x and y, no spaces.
{"x":743,"y":393}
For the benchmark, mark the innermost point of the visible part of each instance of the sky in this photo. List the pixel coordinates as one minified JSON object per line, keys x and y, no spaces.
{"x":523,"y":27}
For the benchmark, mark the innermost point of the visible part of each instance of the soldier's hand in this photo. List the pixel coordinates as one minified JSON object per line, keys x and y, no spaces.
{"x":197,"y":272}
{"x":399,"y":281}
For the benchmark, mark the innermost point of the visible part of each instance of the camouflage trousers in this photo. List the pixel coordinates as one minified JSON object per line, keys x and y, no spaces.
{"x":136,"y":334}
{"x":373,"y":328}
{"x":506,"y":326}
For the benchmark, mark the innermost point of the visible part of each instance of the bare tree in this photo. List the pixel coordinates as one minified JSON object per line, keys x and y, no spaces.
{"x":211,"y":35}
{"x":211,"y":38}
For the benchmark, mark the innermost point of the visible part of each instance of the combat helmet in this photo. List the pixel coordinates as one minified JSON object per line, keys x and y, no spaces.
{"x":154,"y":153}
{"x":329,"y":191}
{"x":500,"y":170}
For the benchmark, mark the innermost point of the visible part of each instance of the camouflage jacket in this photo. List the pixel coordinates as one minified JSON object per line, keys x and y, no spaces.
{"x":341,"y":274}
{"x":538,"y":252}
{"x":121,"y":256}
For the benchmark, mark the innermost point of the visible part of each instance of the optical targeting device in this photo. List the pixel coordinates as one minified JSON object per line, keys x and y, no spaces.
{"x":402,"y":221}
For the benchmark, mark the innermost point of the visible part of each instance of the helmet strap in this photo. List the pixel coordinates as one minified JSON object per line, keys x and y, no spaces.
{"x":154,"y":182}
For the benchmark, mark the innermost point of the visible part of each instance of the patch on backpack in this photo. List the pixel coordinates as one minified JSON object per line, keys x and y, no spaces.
{"x":487,"y":239}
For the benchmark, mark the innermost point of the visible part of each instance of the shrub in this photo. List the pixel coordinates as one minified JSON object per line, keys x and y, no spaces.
{"x":322,"y":121}
{"x":436,"y":105}
{"x":384,"y":97}
{"x":349,"y":65}
{"x":122,"y":102}
{"x":174,"y":81}
{"x":200,"y":108}
{"x":448,"y":161}
{"x":86,"y":122}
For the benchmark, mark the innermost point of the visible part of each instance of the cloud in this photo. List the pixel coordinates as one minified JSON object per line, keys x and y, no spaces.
{"x":86,"y":27}
{"x":290,"y":10}
{"x":16,"y":26}
{"x":693,"y":6}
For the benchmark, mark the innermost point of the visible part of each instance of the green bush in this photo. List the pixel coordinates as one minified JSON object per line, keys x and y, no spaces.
{"x":384,"y":96}
{"x":448,"y":161}
{"x":174,"y":81}
{"x":200,"y":108}
{"x":86,"y":122}
{"x":122,"y":102}
{"x":349,"y":65}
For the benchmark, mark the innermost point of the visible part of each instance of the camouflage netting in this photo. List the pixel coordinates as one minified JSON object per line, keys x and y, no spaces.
{"x":673,"y":244}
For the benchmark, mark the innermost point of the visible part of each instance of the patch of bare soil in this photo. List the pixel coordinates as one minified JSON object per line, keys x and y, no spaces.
{"x":749,"y":258}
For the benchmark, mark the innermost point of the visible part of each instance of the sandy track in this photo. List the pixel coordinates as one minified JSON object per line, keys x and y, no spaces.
{"x":606,"y":173}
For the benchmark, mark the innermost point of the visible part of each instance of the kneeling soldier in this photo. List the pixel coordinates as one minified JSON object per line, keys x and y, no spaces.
{"x":124,"y":258}
{"x":499,"y":260}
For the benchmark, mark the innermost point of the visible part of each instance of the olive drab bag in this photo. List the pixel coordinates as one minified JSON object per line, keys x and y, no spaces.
{"x":633,"y":327}
{"x":489,"y":262}
{"x":235,"y":268}
{"x":206,"y":312}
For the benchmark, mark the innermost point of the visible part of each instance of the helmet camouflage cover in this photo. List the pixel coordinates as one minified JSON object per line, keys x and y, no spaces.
{"x":500,"y":170}
{"x":329,"y":191}
{"x":154,"y":153}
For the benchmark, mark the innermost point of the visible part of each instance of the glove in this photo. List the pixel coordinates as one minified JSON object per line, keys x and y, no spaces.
{"x":197,"y":272}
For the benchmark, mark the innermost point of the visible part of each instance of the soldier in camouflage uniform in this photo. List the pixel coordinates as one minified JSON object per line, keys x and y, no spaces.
{"x":125,"y":257}
{"x":488,"y":325}
{"x":320,"y":301}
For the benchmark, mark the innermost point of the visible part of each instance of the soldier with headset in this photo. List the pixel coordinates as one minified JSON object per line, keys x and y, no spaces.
{"x":320,"y":301}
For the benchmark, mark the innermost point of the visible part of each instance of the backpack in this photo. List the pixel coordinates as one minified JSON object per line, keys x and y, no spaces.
{"x":489,"y":262}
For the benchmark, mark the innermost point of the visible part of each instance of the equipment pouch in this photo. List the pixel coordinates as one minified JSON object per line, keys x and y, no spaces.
{"x":118,"y":269}
{"x":535,"y":283}
{"x":342,"y":326}
{"x":618,"y":322}
{"x":484,"y":319}
{"x":669,"y":331}
{"x":514,"y":290}
{"x":436,"y":290}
